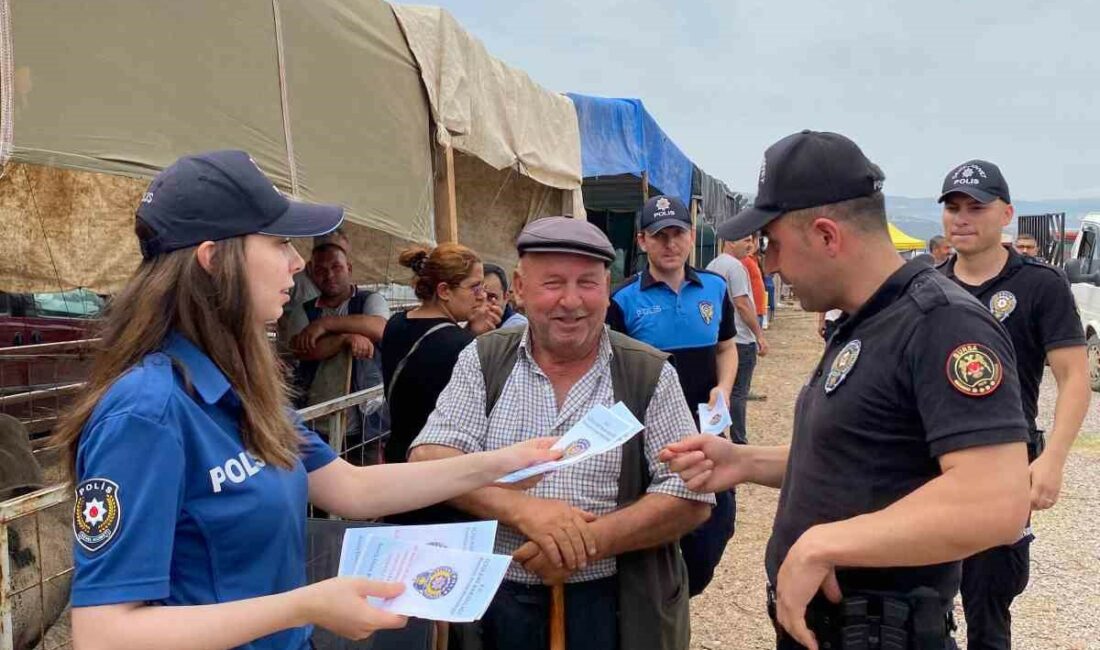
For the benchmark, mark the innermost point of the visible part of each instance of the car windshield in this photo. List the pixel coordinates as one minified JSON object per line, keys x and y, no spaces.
{"x":77,"y":303}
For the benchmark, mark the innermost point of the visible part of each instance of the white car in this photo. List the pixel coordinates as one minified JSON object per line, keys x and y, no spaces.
{"x":1083,"y":270}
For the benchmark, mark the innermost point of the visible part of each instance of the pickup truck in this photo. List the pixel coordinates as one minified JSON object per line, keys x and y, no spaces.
{"x":1083,"y":270}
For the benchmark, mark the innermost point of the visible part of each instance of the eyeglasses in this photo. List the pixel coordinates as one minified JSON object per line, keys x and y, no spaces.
{"x":477,"y":288}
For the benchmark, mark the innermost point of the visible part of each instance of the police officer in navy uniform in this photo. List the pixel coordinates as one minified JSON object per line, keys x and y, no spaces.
{"x":686,"y":312}
{"x":1033,"y":302}
{"x":909,"y":446}
{"x":191,"y":475}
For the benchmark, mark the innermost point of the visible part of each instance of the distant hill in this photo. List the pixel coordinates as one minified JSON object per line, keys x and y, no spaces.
{"x":921,"y":217}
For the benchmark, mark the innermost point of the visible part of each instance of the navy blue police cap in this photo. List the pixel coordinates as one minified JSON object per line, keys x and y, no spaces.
{"x":222,"y":194}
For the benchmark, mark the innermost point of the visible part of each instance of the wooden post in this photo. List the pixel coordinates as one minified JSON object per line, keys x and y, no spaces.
{"x":442,"y":634}
{"x":557,"y":617}
{"x":446,"y":205}
{"x":694,"y":229}
{"x":645,"y":186}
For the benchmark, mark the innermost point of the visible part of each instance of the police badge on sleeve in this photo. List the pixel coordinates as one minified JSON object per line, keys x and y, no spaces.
{"x":974,"y":370}
{"x":96,"y":513}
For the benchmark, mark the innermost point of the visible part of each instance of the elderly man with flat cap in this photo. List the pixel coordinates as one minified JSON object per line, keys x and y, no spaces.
{"x":607,"y":527}
{"x":909,"y":450}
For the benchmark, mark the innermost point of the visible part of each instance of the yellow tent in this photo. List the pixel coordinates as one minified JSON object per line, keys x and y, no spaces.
{"x":904,"y":242}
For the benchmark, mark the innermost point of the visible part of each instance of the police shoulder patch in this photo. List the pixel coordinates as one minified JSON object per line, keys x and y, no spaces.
{"x":974,"y":370}
{"x":97,"y":513}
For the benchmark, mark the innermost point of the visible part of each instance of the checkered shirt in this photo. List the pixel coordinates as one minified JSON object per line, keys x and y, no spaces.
{"x":527,"y":409}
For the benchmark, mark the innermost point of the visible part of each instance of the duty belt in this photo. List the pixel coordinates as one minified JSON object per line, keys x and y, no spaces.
{"x":877,"y":621}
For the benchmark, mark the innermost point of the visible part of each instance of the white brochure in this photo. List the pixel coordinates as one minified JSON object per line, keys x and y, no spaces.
{"x":441,"y":584}
{"x":477,"y":536}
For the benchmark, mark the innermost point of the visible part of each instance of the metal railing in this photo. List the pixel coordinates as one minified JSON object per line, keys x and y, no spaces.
{"x":26,"y":577}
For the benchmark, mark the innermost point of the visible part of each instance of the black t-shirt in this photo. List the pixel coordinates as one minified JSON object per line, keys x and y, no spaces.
{"x":919,"y":371}
{"x":688,"y":324}
{"x":1033,"y":301}
{"x":426,"y":374}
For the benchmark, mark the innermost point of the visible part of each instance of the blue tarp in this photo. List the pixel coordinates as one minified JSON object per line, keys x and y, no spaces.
{"x":618,"y":137}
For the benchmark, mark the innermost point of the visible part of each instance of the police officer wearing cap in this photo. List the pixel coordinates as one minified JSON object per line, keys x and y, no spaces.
{"x":1032,"y":301}
{"x":192,"y":476}
{"x":686,"y":312}
{"x":909,"y":445}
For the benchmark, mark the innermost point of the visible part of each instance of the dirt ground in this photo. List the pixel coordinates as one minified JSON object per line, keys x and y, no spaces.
{"x":1060,"y":609}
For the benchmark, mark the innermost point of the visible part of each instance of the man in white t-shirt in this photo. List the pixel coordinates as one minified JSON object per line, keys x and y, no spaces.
{"x":750,"y":336}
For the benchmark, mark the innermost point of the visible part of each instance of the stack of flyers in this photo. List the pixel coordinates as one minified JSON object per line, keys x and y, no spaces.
{"x":600,"y":430}
{"x":715,"y":420}
{"x":449,"y":570}
{"x":477,"y":536}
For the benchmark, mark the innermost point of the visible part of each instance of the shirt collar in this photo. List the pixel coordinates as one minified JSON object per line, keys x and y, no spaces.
{"x":1014,"y":262}
{"x":604,"y":353}
{"x":208,"y":380}
{"x":689,"y":274}
{"x":888,"y":293}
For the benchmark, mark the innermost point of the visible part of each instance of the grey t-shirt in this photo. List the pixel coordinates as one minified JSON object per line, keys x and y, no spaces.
{"x":737,"y":283}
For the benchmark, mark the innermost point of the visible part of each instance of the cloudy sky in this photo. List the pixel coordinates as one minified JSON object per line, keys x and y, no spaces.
{"x":920,"y":86}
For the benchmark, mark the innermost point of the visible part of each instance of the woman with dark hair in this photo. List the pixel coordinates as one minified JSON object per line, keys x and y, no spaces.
{"x":420,"y":347}
{"x":192,"y":475}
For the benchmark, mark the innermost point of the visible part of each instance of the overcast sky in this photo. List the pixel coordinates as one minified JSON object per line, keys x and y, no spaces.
{"x":920,"y":86}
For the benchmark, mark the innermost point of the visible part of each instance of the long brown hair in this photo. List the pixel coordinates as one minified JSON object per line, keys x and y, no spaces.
{"x":213,"y":310}
{"x":449,"y":263}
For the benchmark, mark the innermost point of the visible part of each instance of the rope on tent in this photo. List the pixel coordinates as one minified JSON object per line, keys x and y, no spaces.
{"x":7,"y":86}
{"x":45,"y":235}
{"x":292,"y":161}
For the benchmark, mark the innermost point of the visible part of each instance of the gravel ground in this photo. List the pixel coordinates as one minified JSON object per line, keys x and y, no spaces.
{"x":1060,"y":609}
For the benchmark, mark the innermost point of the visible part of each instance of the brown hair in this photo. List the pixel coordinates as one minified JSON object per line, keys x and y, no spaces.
{"x":448,"y":263}
{"x":213,"y":310}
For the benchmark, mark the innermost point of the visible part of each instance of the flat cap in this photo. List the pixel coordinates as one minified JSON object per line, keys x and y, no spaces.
{"x":565,"y":235}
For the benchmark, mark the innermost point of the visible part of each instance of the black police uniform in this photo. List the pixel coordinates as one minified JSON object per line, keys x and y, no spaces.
{"x":1032,"y":300}
{"x":919,"y":371}
{"x":688,"y":324}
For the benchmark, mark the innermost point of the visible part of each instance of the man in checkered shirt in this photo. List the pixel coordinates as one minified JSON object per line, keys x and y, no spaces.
{"x":567,"y":528}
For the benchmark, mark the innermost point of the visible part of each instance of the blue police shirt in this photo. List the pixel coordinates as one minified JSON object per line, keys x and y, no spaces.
{"x":688,"y":324}
{"x":170,"y":507}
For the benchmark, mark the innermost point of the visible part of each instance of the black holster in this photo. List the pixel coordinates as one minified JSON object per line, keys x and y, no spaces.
{"x":916,"y":620}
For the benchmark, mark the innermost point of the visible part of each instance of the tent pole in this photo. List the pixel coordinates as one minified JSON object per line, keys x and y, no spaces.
{"x":446,"y":205}
{"x":694,"y":228}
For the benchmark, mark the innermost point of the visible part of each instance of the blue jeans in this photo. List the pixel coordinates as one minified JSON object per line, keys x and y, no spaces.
{"x":519,"y":616}
{"x":703,"y":547}
{"x":769,"y":288}
{"x":746,"y":363}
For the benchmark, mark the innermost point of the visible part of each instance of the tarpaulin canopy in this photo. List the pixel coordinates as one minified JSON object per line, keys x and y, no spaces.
{"x":717,"y":202}
{"x":619,"y":141}
{"x":517,"y":144}
{"x":483,"y":107}
{"x":324,"y":94}
{"x":904,"y":242}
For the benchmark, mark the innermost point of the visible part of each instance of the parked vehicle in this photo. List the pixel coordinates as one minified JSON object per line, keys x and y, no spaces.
{"x":1083,"y":270}
{"x":28,"y":319}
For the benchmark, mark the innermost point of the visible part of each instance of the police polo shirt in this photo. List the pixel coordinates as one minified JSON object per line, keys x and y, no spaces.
{"x":1032,"y":300}
{"x":688,"y":324}
{"x":921,"y":370}
{"x":170,"y":507}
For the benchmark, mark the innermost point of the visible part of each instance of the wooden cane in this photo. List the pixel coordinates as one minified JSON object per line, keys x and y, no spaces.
{"x":557,"y":617}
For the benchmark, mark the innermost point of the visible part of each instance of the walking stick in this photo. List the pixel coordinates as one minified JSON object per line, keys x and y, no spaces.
{"x":557,"y":617}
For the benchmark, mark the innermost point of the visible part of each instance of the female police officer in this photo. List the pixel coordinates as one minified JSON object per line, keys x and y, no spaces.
{"x":191,"y":478}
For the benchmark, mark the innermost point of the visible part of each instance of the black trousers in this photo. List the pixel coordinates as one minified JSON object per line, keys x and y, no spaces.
{"x":990,"y":581}
{"x":519,"y":616}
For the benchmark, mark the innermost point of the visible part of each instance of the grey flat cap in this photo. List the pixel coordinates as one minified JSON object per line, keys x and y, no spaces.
{"x":565,"y":235}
